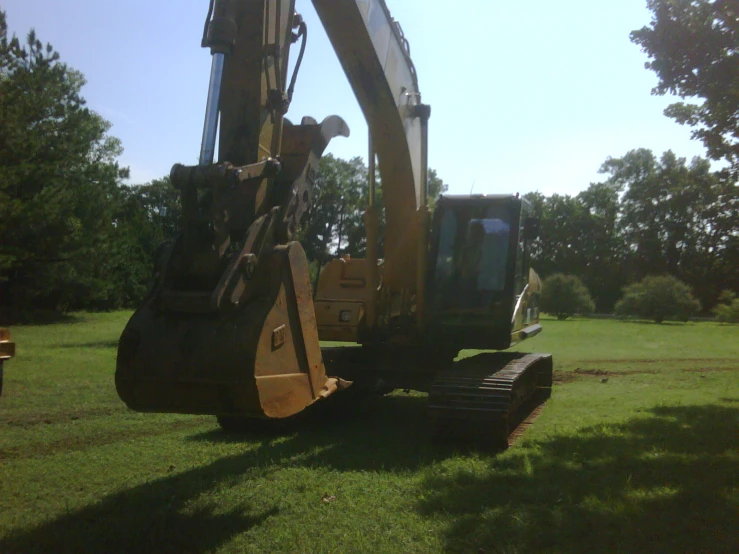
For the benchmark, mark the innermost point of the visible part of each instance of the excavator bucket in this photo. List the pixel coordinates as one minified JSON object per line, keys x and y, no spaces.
{"x":260,"y":361}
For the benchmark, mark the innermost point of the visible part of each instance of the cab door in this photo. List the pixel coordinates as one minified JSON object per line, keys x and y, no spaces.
{"x":474,"y":268}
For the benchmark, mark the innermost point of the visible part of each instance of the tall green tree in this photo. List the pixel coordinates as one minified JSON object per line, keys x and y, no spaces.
{"x":693,"y":47}
{"x":579,"y":237}
{"x":603,"y":244}
{"x":339,"y":198}
{"x":677,"y":218}
{"x":436,"y":187}
{"x":335,"y":222}
{"x":58,"y":182}
{"x":146,"y":216}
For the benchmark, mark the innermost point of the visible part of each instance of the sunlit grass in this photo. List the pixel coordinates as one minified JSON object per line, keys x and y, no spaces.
{"x":638,"y":450}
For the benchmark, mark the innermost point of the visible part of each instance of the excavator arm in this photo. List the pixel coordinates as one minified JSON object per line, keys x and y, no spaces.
{"x":229,"y":326}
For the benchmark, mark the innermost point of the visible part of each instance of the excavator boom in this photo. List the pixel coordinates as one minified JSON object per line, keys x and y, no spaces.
{"x":376,"y":59}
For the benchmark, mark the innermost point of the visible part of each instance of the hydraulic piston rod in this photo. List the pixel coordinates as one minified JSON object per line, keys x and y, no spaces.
{"x":372,"y":225}
{"x":210,"y":127}
{"x":219,"y":35}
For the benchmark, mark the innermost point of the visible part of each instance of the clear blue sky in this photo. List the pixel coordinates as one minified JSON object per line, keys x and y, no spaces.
{"x":525,"y":95}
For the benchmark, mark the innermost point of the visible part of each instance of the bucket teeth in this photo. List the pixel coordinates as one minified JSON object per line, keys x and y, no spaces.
{"x":484,"y":398}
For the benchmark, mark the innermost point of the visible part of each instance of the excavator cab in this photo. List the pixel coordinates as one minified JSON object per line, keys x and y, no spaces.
{"x":478,"y":271}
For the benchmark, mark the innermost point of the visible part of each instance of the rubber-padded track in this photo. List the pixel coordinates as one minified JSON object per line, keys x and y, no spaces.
{"x":485,"y":397}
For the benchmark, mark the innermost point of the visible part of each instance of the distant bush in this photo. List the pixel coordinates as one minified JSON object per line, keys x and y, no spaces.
{"x":727,"y":310}
{"x":658,"y":298}
{"x":726,"y":296}
{"x":564,"y":296}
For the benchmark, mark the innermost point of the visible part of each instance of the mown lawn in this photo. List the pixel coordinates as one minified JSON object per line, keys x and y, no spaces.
{"x":638,"y":450}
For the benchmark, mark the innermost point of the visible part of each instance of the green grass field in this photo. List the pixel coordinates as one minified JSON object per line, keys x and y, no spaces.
{"x":637,"y":451}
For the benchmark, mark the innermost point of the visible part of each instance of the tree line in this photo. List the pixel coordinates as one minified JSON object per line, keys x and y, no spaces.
{"x":74,"y":236}
{"x":650,"y":216}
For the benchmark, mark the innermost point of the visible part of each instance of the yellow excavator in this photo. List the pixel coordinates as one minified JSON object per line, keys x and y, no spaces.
{"x":7,"y":351}
{"x":232,"y":325}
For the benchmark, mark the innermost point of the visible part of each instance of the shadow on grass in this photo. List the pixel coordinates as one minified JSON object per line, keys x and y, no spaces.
{"x":668,"y":483}
{"x":152,"y":517}
{"x":158,"y":517}
{"x":388,"y":434}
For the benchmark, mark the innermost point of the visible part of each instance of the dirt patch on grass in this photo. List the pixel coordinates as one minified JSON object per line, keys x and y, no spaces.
{"x":593,"y":372}
{"x":603,"y":372}
{"x":563,"y":376}
{"x":50,"y":418}
{"x":710,"y":369}
{"x":660,"y":360}
{"x":570,"y":376}
{"x":80,"y":345}
{"x":74,"y":444}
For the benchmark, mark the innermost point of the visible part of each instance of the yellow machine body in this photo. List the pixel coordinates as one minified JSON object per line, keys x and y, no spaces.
{"x":231,"y":326}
